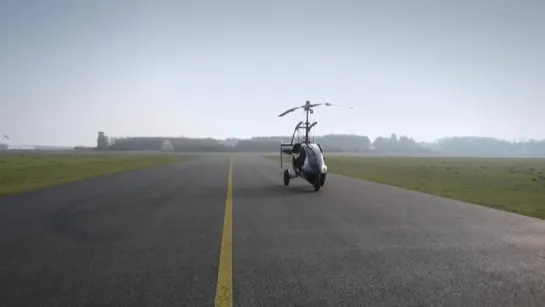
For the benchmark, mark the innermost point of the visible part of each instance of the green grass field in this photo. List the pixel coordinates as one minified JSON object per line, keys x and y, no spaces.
{"x":30,"y":171}
{"x":510,"y":184}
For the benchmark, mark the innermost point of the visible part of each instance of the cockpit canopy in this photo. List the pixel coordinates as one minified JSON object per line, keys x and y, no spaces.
{"x":314,"y":153}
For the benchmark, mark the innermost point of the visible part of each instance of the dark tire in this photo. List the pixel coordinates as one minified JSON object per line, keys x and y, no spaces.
{"x":322,"y":180}
{"x":317,"y":184}
{"x":286,"y":177}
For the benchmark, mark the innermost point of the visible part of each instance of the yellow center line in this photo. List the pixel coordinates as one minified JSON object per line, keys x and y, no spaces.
{"x":224,"y":290}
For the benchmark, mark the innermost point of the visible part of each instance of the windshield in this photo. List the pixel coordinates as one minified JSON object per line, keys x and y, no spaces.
{"x":314,"y":155}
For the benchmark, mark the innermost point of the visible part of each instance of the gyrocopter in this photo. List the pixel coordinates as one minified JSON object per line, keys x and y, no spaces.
{"x":308,"y":160}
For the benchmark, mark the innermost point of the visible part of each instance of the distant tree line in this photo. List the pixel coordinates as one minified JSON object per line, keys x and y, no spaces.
{"x":330,"y":143}
{"x":487,"y":146}
{"x":476,"y":146}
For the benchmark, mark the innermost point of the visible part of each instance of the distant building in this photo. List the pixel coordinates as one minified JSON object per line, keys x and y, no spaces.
{"x":167,"y":146}
{"x":102,"y":141}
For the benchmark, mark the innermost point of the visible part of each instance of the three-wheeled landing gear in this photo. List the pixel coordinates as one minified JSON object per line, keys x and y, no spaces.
{"x":317,"y":186}
{"x":319,"y":182}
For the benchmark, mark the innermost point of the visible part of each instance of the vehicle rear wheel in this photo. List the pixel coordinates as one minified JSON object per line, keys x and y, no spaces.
{"x":286,"y":177}
{"x":322,"y":179}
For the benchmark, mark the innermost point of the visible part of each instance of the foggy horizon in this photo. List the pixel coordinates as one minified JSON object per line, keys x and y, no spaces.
{"x":93,"y":142}
{"x":426,"y":70}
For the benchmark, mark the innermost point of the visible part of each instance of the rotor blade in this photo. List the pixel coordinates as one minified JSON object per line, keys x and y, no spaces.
{"x":288,"y":111}
{"x":314,"y":105}
{"x":301,"y":107}
{"x":338,"y":105}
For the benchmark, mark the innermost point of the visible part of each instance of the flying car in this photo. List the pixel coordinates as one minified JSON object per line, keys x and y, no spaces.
{"x":308,"y":160}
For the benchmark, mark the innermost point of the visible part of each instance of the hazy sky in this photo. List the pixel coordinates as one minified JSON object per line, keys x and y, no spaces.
{"x":427,"y":69}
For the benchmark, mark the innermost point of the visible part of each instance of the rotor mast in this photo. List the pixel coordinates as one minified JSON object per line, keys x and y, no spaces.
{"x":308,"y":126}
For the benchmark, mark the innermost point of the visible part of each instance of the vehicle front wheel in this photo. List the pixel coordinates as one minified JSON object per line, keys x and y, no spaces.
{"x":317,"y":184}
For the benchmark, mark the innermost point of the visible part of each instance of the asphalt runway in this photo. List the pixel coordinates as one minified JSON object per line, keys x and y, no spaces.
{"x":156,"y":237}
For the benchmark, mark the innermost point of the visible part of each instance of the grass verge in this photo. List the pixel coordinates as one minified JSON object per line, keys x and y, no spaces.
{"x":510,"y":184}
{"x":27,"y":172}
